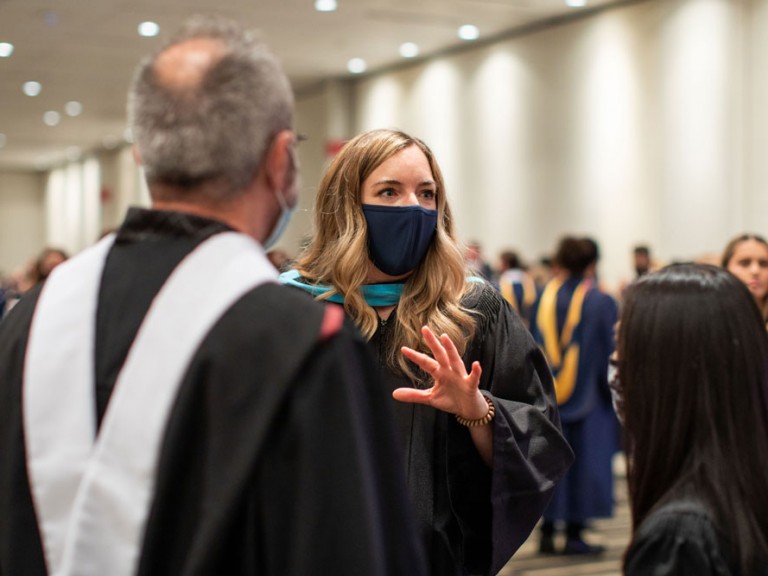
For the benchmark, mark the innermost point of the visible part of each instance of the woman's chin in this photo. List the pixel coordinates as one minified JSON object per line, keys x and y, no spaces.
{"x":377,"y":276}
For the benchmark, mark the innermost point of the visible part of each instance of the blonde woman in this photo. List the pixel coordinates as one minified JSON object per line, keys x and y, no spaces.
{"x":476,"y":409}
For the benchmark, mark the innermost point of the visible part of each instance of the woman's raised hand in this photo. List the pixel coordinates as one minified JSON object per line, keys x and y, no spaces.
{"x":454,"y":390}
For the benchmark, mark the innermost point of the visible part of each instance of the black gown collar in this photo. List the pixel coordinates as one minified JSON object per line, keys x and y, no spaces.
{"x":144,"y":224}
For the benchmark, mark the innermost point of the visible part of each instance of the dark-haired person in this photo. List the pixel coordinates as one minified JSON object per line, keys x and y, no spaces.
{"x":641,"y":259}
{"x":166,"y":406}
{"x":573,"y":323}
{"x":48,"y":259}
{"x":746,"y":257}
{"x":691,"y":386}
{"x":476,"y":413}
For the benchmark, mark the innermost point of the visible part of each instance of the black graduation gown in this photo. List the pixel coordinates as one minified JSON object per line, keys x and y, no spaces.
{"x":473,"y":519}
{"x":682,"y":537}
{"x":279,"y":456}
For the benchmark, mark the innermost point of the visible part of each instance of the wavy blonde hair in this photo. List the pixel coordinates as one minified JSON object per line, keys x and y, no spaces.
{"x":337,"y":254}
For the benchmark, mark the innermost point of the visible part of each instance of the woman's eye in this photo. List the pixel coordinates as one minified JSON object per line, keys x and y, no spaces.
{"x":430,"y":194}
{"x":387,"y":192}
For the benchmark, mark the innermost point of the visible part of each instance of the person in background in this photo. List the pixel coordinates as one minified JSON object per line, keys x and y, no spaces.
{"x":516,"y":285}
{"x":746,"y":257}
{"x":476,"y":411}
{"x":542,"y":271}
{"x":691,"y":386}
{"x":574,"y":323}
{"x":642,"y":260}
{"x":48,"y":259}
{"x":473,"y":253}
{"x":166,"y":407}
{"x":642,"y":264}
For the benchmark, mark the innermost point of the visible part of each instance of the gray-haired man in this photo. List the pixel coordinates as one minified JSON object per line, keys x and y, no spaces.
{"x":165,"y":406}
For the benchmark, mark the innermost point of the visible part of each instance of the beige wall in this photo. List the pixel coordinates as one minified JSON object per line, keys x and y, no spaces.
{"x":323,"y":116}
{"x":22,"y":218}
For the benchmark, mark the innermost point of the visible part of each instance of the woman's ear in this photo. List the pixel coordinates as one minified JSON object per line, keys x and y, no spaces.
{"x":136,"y":154}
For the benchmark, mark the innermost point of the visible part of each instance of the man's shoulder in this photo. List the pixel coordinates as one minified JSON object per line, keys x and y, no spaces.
{"x":288,"y":315}
{"x":286,"y":302}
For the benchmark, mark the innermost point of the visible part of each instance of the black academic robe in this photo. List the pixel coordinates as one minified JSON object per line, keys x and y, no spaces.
{"x":682,"y":537}
{"x":473,"y":519}
{"x":279,"y":456}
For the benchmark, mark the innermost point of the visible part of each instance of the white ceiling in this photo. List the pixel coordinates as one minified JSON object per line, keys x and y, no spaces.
{"x":86,"y":50}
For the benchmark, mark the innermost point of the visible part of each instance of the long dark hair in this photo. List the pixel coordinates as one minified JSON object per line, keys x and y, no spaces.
{"x":693,"y":367}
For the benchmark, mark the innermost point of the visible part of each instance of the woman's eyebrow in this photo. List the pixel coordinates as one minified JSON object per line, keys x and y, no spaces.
{"x":392,"y":181}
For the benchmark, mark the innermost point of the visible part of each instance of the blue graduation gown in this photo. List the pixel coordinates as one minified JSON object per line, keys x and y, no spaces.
{"x":588,"y":421}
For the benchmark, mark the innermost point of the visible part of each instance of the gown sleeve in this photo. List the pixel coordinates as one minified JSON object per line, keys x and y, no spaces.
{"x":530,"y":454}
{"x":674,"y":542}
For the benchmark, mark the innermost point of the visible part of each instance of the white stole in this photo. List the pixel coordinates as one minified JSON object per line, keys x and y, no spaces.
{"x":92,"y":493}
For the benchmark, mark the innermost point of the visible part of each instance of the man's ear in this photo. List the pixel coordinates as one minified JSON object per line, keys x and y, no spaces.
{"x":278,"y":164}
{"x":136,"y":155}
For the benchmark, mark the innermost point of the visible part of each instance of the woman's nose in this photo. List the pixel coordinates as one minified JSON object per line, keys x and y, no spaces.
{"x":411,"y":199}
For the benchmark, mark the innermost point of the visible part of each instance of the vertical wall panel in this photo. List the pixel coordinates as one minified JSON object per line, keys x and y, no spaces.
{"x":698,"y":140}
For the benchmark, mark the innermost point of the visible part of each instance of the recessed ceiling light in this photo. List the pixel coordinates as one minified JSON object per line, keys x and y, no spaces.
{"x":409,"y":50}
{"x":469,"y":32}
{"x":3,"y":139}
{"x":357,"y":66}
{"x":6,"y":49}
{"x":149,"y":29}
{"x":576,"y":3}
{"x":32,"y":88}
{"x":52,"y":118}
{"x":325,"y":5}
{"x":73,"y":108}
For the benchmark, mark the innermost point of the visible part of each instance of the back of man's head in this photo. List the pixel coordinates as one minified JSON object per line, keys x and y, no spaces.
{"x":205,"y":108}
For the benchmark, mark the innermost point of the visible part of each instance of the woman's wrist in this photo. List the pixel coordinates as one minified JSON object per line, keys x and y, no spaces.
{"x":481,"y":414}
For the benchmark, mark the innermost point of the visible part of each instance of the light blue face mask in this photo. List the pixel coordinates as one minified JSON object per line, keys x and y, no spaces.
{"x":286,"y":212}
{"x":285,"y":217}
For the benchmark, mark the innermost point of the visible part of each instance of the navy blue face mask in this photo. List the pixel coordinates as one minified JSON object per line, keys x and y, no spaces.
{"x":399,"y":236}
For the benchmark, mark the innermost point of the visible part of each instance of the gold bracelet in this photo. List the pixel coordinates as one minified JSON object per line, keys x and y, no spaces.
{"x":479,"y":421}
